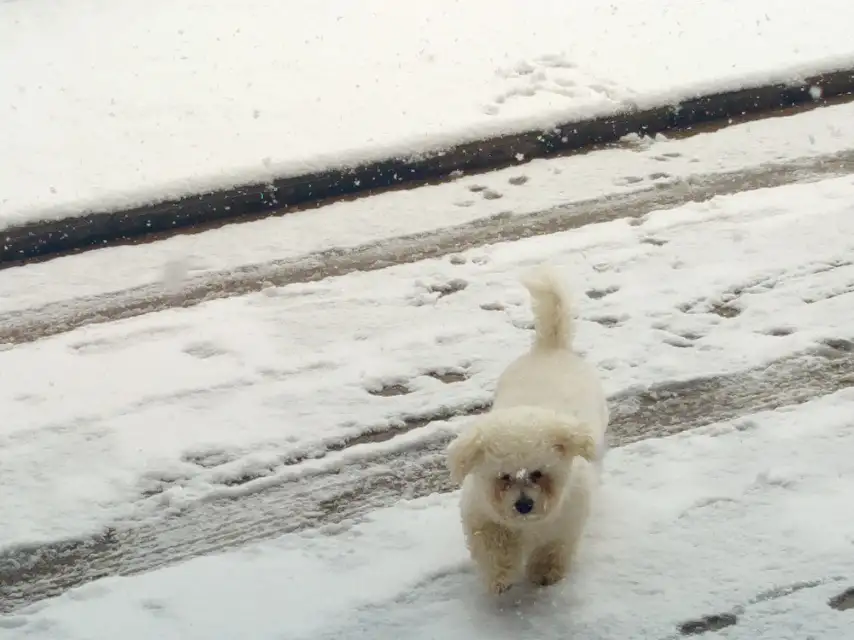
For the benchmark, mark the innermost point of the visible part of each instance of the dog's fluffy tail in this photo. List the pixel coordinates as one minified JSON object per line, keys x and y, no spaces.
{"x":550,"y":300}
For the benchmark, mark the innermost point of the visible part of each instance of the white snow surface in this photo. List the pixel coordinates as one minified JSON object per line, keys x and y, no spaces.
{"x":750,"y":517}
{"x":111,"y":103}
{"x":545,"y":184}
{"x":95,"y":418}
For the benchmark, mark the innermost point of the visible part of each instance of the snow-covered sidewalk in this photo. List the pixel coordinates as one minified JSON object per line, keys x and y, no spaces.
{"x":181,"y":404}
{"x":120,"y":102}
{"x":750,"y":519}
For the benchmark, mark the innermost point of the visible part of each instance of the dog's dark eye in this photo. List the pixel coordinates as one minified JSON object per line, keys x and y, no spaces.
{"x":505,"y":478}
{"x":536,"y":476}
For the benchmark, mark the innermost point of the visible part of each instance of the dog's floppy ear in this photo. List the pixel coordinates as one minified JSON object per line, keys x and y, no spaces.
{"x":570,"y":443}
{"x":464,"y":453}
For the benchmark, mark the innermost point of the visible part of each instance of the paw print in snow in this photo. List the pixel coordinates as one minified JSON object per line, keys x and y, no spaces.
{"x":553,"y":75}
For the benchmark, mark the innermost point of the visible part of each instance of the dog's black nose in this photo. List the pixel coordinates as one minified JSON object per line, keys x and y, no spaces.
{"x":524,"y":505}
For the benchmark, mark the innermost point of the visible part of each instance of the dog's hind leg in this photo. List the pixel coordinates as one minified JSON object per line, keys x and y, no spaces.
{"x":498,"y":553}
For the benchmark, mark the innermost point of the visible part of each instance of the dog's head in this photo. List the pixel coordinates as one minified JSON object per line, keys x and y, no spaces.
{"x":520,"y":459}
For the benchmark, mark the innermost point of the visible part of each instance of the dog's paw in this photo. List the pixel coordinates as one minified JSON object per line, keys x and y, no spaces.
{"x":499,"y":585}
{"x":550,"y":576}
{"x":547,"y":566}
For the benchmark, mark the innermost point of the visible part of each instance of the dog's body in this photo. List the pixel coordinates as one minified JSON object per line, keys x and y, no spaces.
{"x":528,"y":467}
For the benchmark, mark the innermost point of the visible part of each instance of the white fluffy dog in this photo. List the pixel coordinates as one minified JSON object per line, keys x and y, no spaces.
{"x":529,"y":466}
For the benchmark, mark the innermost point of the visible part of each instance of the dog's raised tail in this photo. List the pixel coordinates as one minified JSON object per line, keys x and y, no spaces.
{"x":550,"y":300}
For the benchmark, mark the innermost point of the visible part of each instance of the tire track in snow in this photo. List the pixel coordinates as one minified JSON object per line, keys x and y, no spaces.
{"x":32,"y":324}
{"x":31,"y":574}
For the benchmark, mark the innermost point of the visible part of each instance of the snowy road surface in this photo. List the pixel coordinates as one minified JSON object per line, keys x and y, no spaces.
{"x":380,"y":477}
{"x":748,"y":520}
{"x":278,"y":431}
{"x":433,"y":221}
{"x":160,"y":411}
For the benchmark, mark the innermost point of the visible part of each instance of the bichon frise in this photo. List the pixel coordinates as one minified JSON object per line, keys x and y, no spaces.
{"x":529,"y":466}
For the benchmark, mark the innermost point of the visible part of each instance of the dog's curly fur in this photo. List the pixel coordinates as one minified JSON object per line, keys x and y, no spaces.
{"x":529,"y":466}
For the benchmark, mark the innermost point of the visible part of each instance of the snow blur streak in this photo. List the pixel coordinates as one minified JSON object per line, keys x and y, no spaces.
{"x":35,"y":323}
{"x":31,"y":574}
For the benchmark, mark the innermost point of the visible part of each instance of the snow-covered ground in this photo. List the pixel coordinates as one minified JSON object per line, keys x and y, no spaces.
{"x":750,"y":518}
{"x":538,"y":186}
{"x":115,"y":102}
{"x":96,"y":418}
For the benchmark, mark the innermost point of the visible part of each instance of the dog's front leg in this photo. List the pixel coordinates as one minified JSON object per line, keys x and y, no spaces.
{"x":497,"y":551}
{"x":548,"y":563}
